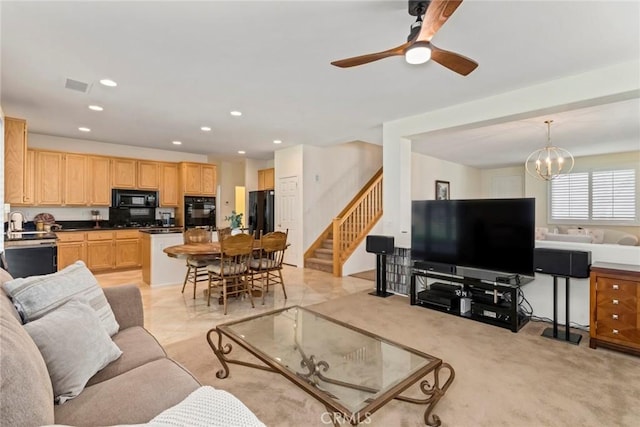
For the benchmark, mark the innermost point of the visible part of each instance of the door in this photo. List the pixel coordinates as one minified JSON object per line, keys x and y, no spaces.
{"x":288,"y":218}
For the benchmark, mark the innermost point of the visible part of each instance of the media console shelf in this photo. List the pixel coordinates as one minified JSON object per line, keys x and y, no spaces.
{"x":486,"y":301}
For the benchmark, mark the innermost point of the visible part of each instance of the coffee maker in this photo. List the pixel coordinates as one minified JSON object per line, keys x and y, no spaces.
{"x":166,"y":219}
{"x":16,"y":221}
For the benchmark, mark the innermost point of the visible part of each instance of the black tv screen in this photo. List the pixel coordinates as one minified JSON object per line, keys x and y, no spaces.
{"x":487,"y":234}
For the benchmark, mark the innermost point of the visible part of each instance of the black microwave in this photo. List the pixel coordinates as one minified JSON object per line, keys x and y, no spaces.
{"x":134,"y":198}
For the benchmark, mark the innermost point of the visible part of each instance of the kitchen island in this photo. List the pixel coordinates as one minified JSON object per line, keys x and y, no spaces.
{"x":157,"y":268}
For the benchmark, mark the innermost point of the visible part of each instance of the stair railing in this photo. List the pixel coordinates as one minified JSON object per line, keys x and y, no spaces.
{"x":354,"y":223}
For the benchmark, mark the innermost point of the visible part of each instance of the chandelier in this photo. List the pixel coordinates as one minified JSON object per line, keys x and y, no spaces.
{"x":549,"y":162}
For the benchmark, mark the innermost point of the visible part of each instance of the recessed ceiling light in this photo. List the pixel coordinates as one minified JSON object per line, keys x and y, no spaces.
{"x":236,"y":113}
{"x":95,"y":108}
{"x":241,"y":152}
{"x":205,"y":128}
{"x":176,"y":142}
{"x":108,"y":82}
{"x":277,"y":141}
{"x":83,"y":129}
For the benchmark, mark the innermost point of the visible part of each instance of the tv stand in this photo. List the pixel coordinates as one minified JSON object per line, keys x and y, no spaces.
{"x":493,"y":302}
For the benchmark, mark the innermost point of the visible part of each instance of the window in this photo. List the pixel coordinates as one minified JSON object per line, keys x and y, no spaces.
{"x":594,"y":197}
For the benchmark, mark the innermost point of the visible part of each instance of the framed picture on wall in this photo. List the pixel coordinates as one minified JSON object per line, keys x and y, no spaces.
{"x":442,"y":190}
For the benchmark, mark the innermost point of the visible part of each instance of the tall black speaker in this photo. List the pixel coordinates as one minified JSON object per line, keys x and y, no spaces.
{"x":381,"y":246}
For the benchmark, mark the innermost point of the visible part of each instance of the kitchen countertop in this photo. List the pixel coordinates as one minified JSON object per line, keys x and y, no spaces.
{"x":30,"y":235}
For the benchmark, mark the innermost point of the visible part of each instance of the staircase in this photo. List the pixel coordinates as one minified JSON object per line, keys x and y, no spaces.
{"x":351,"y":226}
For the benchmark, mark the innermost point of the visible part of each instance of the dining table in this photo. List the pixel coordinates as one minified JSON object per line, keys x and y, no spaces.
{"x":199,"y":249}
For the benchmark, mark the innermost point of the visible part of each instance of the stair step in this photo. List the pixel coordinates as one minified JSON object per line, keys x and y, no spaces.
{"x":327,"y":244}
{"x":319,"y":264}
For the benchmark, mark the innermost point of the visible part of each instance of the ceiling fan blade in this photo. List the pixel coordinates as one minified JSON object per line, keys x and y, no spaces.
{"x":365,"y":59}
{"x":453,"y":61}
{"x":436,"y":15}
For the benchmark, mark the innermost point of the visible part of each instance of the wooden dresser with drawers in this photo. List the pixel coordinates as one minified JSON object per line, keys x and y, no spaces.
{"x":615,"y":307}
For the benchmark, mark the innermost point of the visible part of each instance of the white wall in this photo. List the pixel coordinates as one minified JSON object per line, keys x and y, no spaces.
{"x":360,"y":259}
{"x":332,"y":177}
{"x":465,"y":182}
{"x":506,"y":182}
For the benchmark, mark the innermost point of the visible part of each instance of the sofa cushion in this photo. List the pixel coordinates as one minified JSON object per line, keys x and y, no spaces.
{"x":135,"y":396}
{"x":74,"y":346}
{"x":26,"y":395}
{"x":38,"y":295}
{"x":138,"y":347}
{"x":207,"y":407}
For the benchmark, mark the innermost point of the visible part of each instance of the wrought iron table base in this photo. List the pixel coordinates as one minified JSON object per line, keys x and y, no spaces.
{"x":434,"y":391}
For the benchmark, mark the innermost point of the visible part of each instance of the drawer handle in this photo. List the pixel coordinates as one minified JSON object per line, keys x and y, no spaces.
{"x":616,"y":287}
{"x":615,"y":302}
{"x":614,"y":316}
{"x":615,"y":331}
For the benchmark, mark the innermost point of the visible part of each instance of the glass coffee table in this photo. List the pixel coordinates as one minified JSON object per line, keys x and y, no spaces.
{"x":351,"y":371}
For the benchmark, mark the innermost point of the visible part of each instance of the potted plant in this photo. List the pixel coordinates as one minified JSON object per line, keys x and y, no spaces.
{"x":235,"y":222}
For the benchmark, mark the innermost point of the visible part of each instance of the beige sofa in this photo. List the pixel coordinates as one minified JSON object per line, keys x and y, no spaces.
{"x":142,"y":383}
{"x":586,"y":235}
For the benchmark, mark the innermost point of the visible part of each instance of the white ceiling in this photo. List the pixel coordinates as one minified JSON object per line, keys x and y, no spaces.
{"x":182,"y":65}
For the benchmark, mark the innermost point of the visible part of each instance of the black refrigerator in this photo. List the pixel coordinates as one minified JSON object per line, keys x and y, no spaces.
{"x":261,"y":218}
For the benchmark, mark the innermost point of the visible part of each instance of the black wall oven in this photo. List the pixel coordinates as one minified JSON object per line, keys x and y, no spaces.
{"x":200,"y":212}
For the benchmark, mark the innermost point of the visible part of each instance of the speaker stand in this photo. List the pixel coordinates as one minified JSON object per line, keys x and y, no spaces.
{"x":553,"y":332}
{"x":381,"y":277}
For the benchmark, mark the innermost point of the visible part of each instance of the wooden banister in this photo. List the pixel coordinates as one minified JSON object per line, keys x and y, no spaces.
{"x":352,"y":224}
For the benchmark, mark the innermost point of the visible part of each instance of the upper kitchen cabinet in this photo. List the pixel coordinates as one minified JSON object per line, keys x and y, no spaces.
{"x":148,"y":175}
{"x":99,"y":186}
{"x":15,"y":158}
{"x":123,"y":173}
{"x":75,"y":179}
{"x":49,"y":178}
{"x":30,"y":178}
{"x":198,"y":179}
{"x":169,"y":178}
{"x":266,"y":179}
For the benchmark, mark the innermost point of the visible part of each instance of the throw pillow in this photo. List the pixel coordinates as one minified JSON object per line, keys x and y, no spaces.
{"x":207,"y":407}
{"x":74,"y":346}
{"x":38,"y":295}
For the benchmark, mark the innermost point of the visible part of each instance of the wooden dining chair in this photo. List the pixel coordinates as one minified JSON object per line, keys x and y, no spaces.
{"x":197,"y":265}
{"x":223,"y":233}
{"x":267,"y":268}
{"x":232,"y":272}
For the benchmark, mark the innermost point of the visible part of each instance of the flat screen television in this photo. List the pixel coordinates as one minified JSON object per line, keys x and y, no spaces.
{"x":483,"y":238}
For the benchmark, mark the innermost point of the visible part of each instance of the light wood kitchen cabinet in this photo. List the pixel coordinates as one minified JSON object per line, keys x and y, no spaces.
{"x":127,"y":249}
{"x":100,"y":250}
{"x":123,"y":173}
{"x":30,"y":178}
{"x":148,"y":175}
{"x":266,"y":179}
{"x":209,"y":180}
{"x":49,"y":178}
{"x":198,"y":179}
{"x":75,"y":179}
{"x":99,"y":186}
{"x":71,"y":248}
{"x":169,"y":179}
{"x":15,"y":158}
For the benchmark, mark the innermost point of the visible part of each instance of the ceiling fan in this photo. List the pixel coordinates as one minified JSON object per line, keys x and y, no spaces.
{"x":431,"y":15}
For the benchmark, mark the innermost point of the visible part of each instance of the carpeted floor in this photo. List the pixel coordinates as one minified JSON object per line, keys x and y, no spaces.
{"x":502,"y":378}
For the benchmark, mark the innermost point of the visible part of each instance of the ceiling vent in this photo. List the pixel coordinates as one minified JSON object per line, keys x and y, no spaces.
{"x":76,"y":85}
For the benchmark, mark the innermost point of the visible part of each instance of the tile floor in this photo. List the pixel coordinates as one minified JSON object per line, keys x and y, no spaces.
{"x":172,"y":316}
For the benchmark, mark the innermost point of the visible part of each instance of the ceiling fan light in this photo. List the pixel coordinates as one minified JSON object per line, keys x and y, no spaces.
{"x":419,"y":53}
